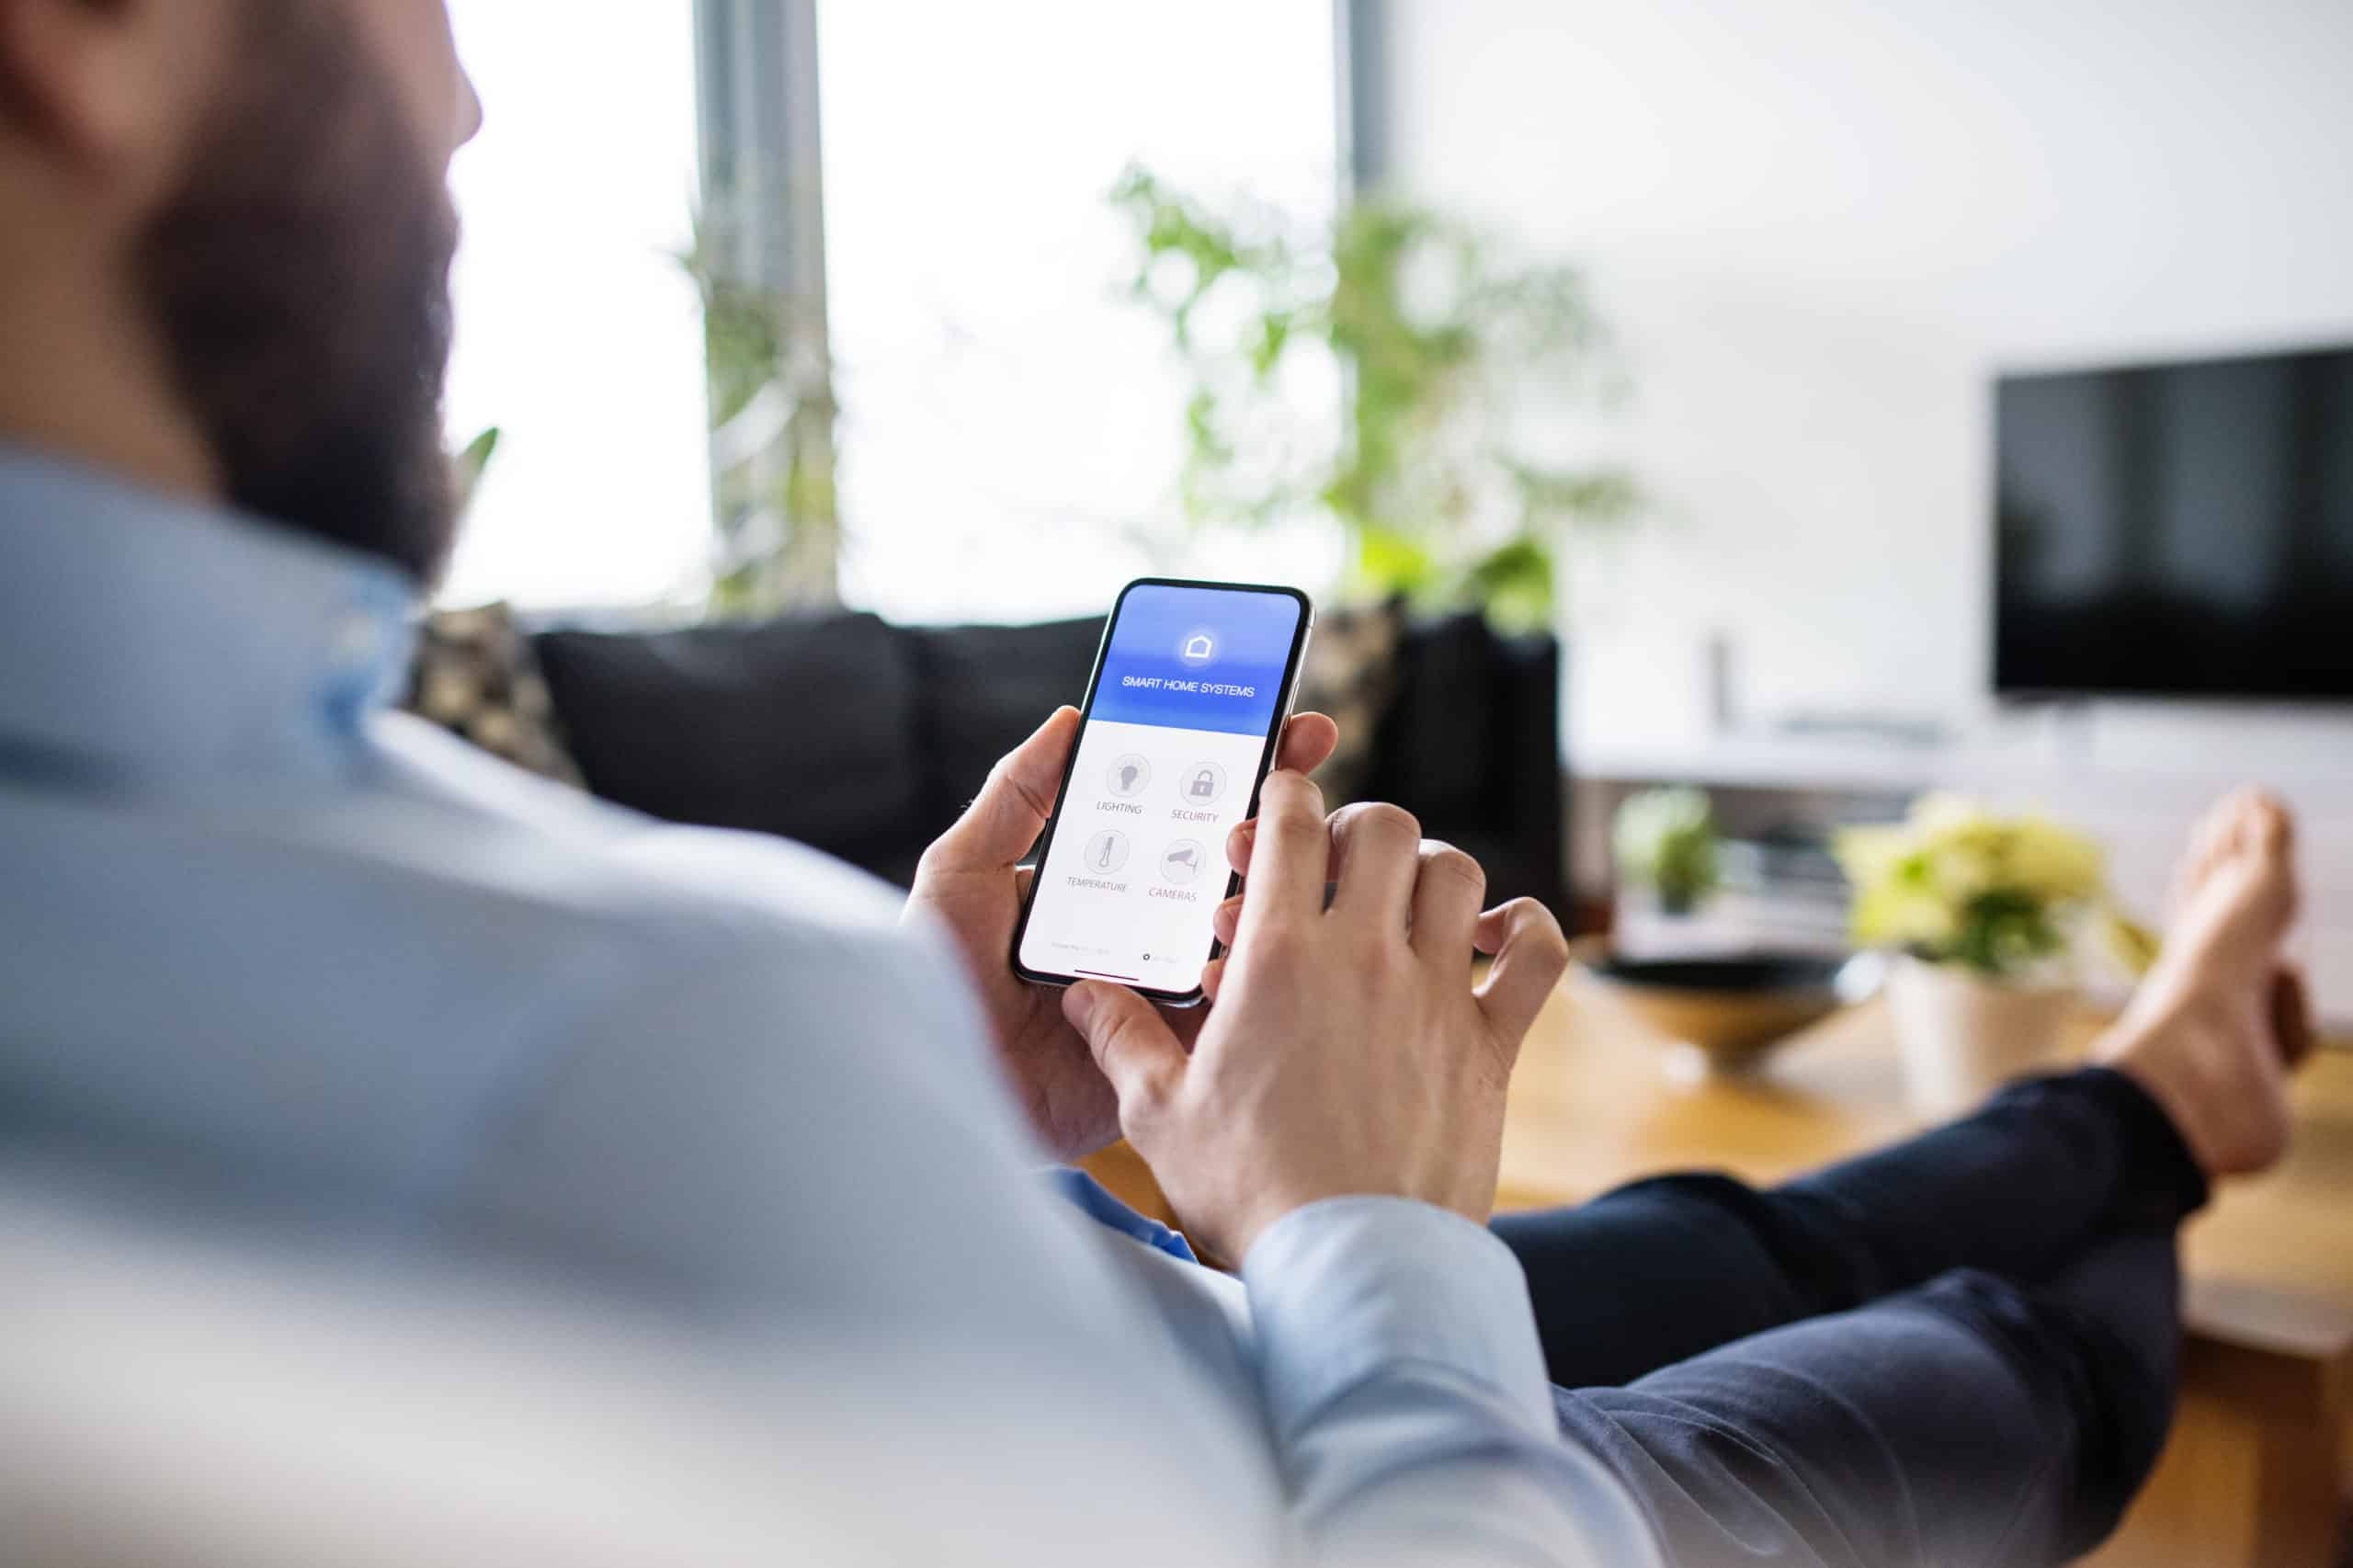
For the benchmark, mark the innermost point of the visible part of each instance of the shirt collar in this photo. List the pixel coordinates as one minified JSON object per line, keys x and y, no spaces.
{"x":143,"y":631}
{"x":1095,"y":1200}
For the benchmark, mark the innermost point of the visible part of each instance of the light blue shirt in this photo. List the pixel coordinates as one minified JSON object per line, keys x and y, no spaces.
{"x":267,"y":944}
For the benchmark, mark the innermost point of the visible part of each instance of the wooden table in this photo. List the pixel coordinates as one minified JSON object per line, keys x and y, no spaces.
{"x":2256,"y":1470}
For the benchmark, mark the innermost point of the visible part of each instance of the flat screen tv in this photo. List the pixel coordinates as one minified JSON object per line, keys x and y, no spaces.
{"x":2180,"y":529}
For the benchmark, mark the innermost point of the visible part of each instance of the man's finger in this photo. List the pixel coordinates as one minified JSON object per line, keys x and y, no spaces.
{"x":1212,"y":977}
{"x":1530,"y":957}
{"x":1309,"y":741}
{"x":1007,"y":816}
{"x":1287,"y":852}
{"x":1226,"y":919}
{"x":1133,"y":1045}
{"x":1237,"y":845}
{"x":1376,"y":851}
{"x":1447,"y":896}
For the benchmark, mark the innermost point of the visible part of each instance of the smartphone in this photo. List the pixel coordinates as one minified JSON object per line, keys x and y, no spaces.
{"x":1192,"y":685}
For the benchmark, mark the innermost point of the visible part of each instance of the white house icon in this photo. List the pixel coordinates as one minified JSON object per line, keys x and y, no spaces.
{"x":1199,"y":647}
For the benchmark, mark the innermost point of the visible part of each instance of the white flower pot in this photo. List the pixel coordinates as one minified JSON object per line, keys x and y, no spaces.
{"x":1963,"y":1036}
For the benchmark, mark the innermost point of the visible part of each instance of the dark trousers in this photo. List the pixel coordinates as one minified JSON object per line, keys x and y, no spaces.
{"x":1959,"y":1350}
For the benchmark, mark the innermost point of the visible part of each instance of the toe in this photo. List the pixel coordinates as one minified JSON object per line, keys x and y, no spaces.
{"x":2241,"y":826}
{"x":2271,"y":826}
{"x":2211,"y":842}
{"x":2246,"y":825}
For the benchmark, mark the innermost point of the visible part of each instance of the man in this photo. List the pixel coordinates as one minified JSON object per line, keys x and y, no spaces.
{"x":270,"y":950}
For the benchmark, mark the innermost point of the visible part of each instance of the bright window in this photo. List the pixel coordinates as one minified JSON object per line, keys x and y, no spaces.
{"x":1011,"y":431}
{"x":576,"y":333}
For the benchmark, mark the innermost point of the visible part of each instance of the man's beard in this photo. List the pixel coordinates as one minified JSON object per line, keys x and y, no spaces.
{"x":300,"y":282}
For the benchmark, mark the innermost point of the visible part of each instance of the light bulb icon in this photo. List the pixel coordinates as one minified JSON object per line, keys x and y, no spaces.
{"x":1127,"y":776}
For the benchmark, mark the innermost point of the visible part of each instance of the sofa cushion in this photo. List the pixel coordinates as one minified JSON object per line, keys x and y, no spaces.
{"x":799,"y":726}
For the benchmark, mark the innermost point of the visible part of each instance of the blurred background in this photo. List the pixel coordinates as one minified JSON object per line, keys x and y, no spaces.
{"x":1819,"y":406}
{"x":932,"y":208}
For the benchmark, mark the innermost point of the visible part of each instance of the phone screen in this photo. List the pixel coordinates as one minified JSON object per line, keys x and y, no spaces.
{"x":1191,"y":687}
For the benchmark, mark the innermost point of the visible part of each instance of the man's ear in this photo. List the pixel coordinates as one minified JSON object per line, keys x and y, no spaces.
{"x":109,"y":83}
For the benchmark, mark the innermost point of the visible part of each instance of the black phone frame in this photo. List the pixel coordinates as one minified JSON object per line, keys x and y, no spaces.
{"x":1300,"y":635}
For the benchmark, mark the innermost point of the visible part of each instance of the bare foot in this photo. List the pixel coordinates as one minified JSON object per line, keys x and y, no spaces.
{"x":2215,"y":1027}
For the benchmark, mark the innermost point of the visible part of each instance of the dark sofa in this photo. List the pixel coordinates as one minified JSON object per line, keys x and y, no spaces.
{"x":866,"y":739}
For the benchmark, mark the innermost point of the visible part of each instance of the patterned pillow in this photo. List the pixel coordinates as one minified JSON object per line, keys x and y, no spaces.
{"x":476,"y":675}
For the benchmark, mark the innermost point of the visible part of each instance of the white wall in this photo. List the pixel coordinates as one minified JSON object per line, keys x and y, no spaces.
{"x":1819,"y":225}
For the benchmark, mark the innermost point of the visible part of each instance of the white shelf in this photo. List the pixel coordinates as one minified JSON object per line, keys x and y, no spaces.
{"x":1766,"y":763}
{"x":2004,"y":757}
{"x":2136,"y":784}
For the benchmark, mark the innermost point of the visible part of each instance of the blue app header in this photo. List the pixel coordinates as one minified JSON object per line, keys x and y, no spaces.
{"x":1198,"y":659}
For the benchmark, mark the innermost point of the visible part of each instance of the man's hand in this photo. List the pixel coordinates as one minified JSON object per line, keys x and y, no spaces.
{"x":1348,"y":1052}
{"x":970,"y":879}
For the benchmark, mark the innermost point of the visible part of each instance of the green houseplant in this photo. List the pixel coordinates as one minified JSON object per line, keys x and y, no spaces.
{"x":1437,"y":343}
{"x":2005,"y":898}
{"x":775,"y":512}
{"x":469,"y":462}
{"x":1664,"y":840}
{"x":1987,"y":914}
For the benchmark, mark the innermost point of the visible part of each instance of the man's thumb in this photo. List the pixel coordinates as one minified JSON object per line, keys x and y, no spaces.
{"x":1010,"y":811}
{"x":1132,"y":1043}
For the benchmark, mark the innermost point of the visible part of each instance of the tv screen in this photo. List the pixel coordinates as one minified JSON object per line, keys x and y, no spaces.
{"x":2177,"y":530}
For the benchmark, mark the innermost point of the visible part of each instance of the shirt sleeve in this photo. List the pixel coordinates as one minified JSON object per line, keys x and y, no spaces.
{"x":1405,"y":1386}
{"x":797,"y":1123}
{"x":803,"y":1146}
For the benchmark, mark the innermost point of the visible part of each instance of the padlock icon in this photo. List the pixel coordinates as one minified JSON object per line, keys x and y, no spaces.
{"x":1204,"y":784}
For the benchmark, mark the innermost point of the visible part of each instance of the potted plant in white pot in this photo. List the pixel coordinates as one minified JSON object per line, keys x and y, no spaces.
{"x":1987,"y":915}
